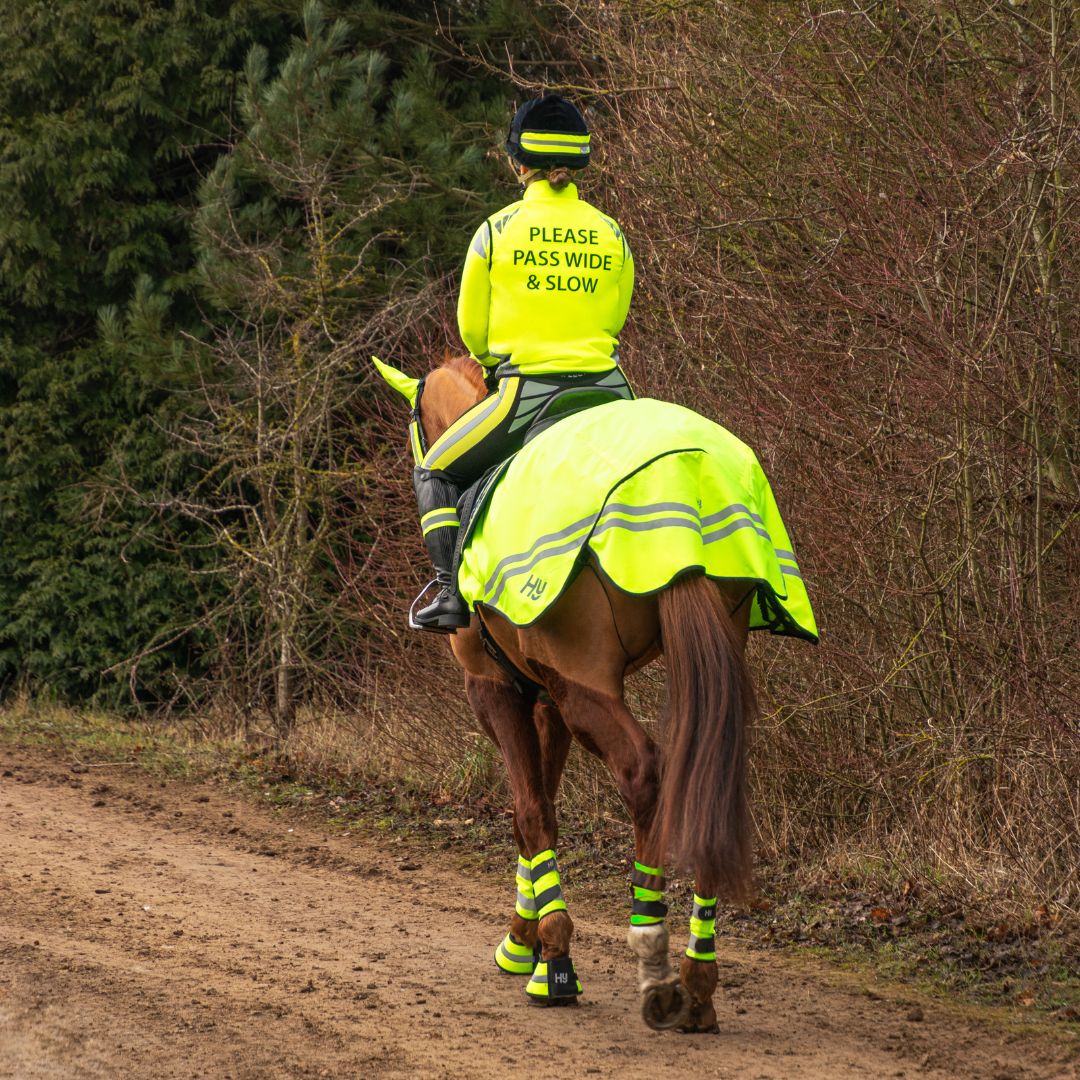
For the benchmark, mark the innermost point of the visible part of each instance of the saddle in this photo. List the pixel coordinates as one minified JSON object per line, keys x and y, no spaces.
{"x":566,"y":403}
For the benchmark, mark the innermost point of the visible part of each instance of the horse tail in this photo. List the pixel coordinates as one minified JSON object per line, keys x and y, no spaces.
{"x":702,"y":817}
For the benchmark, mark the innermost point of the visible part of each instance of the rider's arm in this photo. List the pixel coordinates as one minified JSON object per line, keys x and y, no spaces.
{"x":474,"y":300}
{"x":626,"y":286}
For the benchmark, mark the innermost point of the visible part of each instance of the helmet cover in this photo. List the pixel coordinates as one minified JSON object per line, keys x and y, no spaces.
{"x":549,"y":132}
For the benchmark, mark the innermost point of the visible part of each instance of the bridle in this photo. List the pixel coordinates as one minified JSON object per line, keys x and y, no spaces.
{"x":418,"y":441}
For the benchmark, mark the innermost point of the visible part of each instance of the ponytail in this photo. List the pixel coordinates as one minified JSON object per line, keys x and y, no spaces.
{"x":558,"y":177}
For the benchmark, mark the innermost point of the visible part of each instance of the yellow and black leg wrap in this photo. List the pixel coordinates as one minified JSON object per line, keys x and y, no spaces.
{"x":703,"y":930}
{"x":647,"y":906}
{"x":546,"y":884}
{"x":512,"y":956}
{"x":526,"y":898}
{"x":553,"y":982}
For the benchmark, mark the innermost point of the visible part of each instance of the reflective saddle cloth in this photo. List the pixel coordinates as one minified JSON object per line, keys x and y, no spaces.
{"x":648,"y":490}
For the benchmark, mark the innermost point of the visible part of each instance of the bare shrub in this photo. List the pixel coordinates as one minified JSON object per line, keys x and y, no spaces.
{"x":857,"y":234}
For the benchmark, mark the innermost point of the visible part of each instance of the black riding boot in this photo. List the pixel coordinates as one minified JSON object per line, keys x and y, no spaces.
{"x":437,"y":499}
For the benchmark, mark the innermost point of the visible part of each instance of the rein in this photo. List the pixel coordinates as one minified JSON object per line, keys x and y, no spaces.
{"x":417,"y":437}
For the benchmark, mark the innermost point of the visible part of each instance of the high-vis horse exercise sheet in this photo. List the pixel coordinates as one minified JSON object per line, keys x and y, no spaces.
{"x":651,"y":490}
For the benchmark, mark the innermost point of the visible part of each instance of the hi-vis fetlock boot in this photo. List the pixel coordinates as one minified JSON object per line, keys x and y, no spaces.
{"x":514,"y":957}
{"x":554,"y":981}
{"x":664,"y":1000}
{"x":437,"y":500}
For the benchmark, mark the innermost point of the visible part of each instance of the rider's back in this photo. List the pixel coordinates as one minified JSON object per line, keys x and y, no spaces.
{"x":546,"y":285}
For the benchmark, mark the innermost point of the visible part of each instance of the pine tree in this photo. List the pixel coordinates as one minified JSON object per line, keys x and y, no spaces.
{"x":109,"y":114}
{"x":114,"y":119}
{"x":352,"y":183}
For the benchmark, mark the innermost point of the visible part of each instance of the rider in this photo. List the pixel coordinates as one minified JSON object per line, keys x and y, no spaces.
{"x":544,"y":294}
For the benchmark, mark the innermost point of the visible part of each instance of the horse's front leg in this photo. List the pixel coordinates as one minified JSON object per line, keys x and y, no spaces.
{"x":534,"y":747}
{"x":519,"y":952}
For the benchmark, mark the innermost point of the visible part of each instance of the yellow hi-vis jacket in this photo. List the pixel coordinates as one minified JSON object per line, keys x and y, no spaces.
{"x":546,"y":286}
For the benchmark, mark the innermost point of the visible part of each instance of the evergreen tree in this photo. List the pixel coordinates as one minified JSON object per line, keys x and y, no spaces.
{"x":112,"y":114}
{"x":109,"y":113}
{"x":355,"y":181}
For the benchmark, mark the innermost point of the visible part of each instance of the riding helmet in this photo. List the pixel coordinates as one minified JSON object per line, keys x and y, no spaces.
{"x":548,"y":132}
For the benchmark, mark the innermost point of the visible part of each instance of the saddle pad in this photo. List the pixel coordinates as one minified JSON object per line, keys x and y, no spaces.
{"x":651,"y":490}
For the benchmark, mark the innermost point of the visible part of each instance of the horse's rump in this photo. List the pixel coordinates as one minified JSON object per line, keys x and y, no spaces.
{"x":652,"y":491}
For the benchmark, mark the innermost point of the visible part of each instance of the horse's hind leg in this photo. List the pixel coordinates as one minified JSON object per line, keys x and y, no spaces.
{"x":508,"y":718}
{"x":698,"y":968}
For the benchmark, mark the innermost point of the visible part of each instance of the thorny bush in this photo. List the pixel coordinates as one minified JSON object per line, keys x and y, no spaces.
{"x":857,"y":239}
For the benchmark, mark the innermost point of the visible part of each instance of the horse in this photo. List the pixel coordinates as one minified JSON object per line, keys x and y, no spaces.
{"x":687,"y":803}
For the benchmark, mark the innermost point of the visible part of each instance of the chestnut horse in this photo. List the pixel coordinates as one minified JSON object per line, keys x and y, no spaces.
{"x":693,"y":809}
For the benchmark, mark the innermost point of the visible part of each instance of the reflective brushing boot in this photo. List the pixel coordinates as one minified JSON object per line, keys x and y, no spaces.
{"x":437,"y":500}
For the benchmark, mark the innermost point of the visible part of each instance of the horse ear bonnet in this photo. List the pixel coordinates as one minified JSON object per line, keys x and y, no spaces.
{"x":405,"y":385}
{"x":549,"y":132}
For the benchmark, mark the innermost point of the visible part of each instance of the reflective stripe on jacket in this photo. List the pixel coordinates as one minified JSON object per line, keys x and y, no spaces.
{"x":546,"y":285}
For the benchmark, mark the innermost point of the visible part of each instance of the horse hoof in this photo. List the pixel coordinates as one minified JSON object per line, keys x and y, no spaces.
{"x":701,"y":1020}
{"x":703,"y":1029}
{"x":665,"y":1005}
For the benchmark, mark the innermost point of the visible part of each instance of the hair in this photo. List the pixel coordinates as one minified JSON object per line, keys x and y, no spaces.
{"x":465,"y":366}
{"x":558,"y":177}
{"x":702,"y":819}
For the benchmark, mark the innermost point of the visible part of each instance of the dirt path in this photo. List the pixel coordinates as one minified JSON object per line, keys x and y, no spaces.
{"x":153,"y":931}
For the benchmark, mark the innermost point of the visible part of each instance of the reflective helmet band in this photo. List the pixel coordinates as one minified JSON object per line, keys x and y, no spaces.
{"x":540,"y":142}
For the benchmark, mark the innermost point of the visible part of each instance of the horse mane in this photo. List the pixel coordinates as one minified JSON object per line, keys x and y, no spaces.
{"x":466,"y":367}
{"x":452,"y":388}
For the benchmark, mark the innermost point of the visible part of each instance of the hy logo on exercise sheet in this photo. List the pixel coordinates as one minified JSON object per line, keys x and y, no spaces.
{"x":533,"y":588}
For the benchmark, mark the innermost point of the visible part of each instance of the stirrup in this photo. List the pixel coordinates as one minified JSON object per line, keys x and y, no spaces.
{"x":414,"y":625}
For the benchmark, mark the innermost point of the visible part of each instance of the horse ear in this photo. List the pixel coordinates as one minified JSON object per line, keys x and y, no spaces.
{"x":405,"y":385}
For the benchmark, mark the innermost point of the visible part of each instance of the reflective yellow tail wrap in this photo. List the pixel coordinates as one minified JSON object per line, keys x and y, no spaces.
{"x":546,"y":884}
{"x":514,"y":958}
{"x":702,"y":930}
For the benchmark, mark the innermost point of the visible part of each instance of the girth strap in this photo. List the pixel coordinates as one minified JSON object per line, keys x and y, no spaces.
{"x":531,"y":691}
